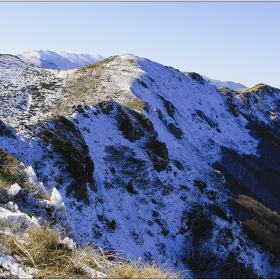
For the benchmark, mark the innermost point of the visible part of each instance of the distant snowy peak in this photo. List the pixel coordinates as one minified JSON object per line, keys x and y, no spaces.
{"x":231,"y":85}
{"x":59,"y":60}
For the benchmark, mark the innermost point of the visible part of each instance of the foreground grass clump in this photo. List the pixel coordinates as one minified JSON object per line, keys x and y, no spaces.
{"x":138,"y":270}
{"x":11,"y":170}
{"x":45,"y":250}
{"x":42,"y":249}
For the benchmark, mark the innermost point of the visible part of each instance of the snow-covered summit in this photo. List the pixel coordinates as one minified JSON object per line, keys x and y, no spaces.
{"x":60,"y":60}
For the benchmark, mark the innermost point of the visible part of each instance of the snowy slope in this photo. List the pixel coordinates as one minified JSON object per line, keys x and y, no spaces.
{"x":27,"y":92}
{"x":59,"y":60}
{"x":146,"y":159}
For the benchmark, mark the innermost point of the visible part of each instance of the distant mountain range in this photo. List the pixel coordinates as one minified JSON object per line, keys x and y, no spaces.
{"x":231,"y":85}
{"x":59,"y":60}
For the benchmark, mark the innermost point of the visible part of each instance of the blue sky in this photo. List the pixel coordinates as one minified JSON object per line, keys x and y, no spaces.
{"x":236,"y":41}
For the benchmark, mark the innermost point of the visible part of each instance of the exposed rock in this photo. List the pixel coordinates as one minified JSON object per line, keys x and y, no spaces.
{"x":158,"y":154}
{"x":67,"y":140}
{"x":195,"y":76}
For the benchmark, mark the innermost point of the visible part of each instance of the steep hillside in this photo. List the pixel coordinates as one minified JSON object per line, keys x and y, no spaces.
{"x":59,"y":60}
{"x":150,"y":162}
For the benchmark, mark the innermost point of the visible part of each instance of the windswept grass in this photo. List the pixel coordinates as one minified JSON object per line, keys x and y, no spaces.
{"x":138,"y":270}
{"x":43,"y":249}
{"x":13,"y":171}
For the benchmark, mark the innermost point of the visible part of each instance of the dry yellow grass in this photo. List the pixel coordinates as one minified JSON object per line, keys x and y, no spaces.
{"x":41,"y":248}
{"x":13,"y":171}
{"x":139,"y":270}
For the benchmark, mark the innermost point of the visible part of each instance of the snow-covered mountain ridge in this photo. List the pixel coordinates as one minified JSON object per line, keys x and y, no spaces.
{"x":148,"y":161}
{"x":231,"y":85}
{"x":59,"y":60}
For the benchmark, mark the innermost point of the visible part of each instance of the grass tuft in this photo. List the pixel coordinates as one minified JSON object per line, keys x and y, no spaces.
{"x":13,"y":171}
{"x":42,"y":248}
{"x":138,"y":270}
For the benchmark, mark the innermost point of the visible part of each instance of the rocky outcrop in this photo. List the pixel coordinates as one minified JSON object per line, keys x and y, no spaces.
{"x":195,"y":76}
{"x":65,"y":139}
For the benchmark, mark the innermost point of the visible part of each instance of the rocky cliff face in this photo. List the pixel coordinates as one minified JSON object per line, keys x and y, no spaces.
{"x":151,"y":162}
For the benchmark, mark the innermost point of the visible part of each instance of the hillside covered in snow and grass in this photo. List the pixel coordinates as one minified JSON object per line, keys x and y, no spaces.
{"x":144,"y":160}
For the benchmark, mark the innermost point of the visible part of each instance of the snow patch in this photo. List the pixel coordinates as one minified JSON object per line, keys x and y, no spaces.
{"x":31,"y":175}
{"x":59,"y":211}
{"x":14,"y":189}
{"x":56,"y":199}
{"x":11,"y":214}
{"x":16,"y":269}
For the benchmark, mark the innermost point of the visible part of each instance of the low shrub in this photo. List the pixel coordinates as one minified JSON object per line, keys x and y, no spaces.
{"x":259,"y":210}
{"x":201,"y":260}
{"x":261,"y":235}
{"x":231,"y":268}
{"x":202,"y":225}
{"x":260,"y":222}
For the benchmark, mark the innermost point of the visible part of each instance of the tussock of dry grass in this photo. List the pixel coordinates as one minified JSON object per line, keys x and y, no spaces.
{"x":42,"y":249}
{"x":11,"y":172}
{"x":139,"y":270}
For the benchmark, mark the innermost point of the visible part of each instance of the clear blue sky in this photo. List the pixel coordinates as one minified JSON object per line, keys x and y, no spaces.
{"x":236,"y":41}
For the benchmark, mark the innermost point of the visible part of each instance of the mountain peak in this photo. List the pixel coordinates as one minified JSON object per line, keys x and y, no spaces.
{"x":259,"y":87}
